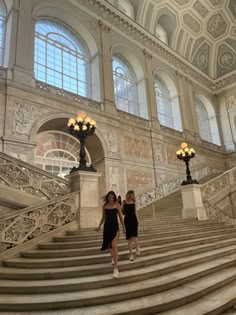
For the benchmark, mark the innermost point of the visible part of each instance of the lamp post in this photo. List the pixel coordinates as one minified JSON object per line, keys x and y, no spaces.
{"x":186,"y":155}
{"x":81,"y":127}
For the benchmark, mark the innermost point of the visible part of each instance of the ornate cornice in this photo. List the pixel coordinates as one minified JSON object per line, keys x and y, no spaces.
{"x":113,"y":17}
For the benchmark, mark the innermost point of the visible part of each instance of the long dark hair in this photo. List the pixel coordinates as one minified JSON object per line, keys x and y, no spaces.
{"x":107,"y":195}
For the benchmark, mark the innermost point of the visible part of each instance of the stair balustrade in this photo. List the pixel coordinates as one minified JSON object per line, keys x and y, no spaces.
{"x":34,"y":221}
{"x":29,"y":179}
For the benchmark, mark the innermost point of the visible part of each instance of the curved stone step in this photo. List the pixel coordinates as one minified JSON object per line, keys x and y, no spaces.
{"x":123,"y":299}
{"x":163,"y":282}
{"x":123,"y":249}
{"x":91,"y":260}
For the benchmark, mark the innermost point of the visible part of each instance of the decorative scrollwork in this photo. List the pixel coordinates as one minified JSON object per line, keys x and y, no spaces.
{"x":216,"y":214}
{"x":31,"y":180}
{"x":37,"y":221}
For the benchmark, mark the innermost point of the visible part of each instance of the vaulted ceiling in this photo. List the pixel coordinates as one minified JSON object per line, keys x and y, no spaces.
{"x":202,"y":31}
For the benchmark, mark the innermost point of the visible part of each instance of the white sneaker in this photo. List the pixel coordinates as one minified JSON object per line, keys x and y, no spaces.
{"x":138,"y":252}
{"x":131,"y":257}
{"x":116,"y":273}
{"x":112,"y":261}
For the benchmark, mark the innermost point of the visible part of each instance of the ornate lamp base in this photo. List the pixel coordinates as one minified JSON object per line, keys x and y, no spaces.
{"x":189,"y":181}
{"x":83,"y":168}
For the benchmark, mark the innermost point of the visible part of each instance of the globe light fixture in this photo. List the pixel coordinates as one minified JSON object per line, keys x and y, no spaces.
{"x":186,"y":155}
{"x":81,"y":127}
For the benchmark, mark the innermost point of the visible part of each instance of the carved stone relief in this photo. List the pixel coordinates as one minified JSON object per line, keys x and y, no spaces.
{"x":216,"y":2}
{"x":232,"y":7}
{"x":231,"y":101}
{"x":226,"y":60}
{"x":182,"y":2}
{"x":216,"y":25}
{"x":201,"y":58}
{"x":200,"y":8}
{"x":191,"y":22}
{"x":24,"y":116}
{"x":137,"y":147}
{"x":111,"y":138}
{"x":113,"y":179}
{"x":138,"y":178}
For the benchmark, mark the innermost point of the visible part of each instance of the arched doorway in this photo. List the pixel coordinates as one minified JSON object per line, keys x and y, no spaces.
{"x":57,"y":151}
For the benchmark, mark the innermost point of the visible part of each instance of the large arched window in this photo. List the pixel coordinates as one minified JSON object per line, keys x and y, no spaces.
{"x":167,"y":103}
{"x":125,"y":86}
{"x":163,"y":103}
{"x":57,"y":152}
{"x":2,"y":30}
{"x":203,"y":120}
{"x":61,"y":57}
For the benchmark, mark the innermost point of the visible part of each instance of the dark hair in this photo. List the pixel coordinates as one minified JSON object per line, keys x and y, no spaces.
{"x":107,"y":196}
{"x":129,"y":193}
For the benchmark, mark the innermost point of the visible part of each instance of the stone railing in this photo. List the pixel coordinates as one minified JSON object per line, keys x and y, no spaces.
{"x":146,"y":198}
{"x":31,"y":180}
{"x":215,"y":186}
{"x":34,"y":221}
{"x":214,"y":213}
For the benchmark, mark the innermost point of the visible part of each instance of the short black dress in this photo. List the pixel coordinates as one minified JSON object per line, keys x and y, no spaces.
{"x":131,"y":222}
{"x":111,"y":227}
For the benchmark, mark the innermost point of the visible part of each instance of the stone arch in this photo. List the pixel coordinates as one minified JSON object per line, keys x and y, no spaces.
{"x":168,"y":21}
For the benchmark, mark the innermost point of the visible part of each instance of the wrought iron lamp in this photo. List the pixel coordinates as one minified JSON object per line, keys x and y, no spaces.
{"x":81,"y":127}
{"x":186,"y":155}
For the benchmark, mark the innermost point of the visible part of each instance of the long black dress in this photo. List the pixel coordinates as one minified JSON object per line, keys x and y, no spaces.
{"x":111,"y":228}
{"x":131,"y":222}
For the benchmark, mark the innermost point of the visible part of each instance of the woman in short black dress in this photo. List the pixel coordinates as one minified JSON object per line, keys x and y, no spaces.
{"x":131,"y":223}
{"x":111,"y":209}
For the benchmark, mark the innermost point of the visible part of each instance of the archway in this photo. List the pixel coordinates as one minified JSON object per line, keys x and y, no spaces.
{"x":57,"y":151}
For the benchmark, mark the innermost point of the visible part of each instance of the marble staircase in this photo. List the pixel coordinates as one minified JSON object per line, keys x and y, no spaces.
{"x":183,"y":263}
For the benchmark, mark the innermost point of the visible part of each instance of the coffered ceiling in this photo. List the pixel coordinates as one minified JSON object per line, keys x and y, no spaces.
{"x":202,"y":31}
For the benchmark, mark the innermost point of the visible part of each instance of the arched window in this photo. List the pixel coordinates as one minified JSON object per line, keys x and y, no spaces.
{"x":203,"y":120}
{"x":167,"y":102}
{"x":61,"y":57}
{"x":163,"y":103}
{"x":126,"y":7}
{"x":2,"y":30}
{"x":125,"y":86}
{"x":57,"y":152}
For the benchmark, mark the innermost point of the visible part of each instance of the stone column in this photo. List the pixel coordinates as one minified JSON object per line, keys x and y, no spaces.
{"x":90,"y":210}
{"x":107,"y":78}
{"x":24,"y":63}
{"x":151,"y":97}
{"x":192,"y":202}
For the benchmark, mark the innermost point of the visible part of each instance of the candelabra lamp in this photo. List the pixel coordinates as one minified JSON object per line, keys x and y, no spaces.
{"x":186,"y":155}
{"x":81,"y":127}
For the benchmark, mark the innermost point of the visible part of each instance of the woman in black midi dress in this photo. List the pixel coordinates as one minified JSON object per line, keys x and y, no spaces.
{"x":131,"y":223}
{"x":111,"y":211}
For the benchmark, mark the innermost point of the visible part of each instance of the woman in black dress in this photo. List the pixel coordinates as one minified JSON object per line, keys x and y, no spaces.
{"x":131,"y":223}
{"x":111,"y":209}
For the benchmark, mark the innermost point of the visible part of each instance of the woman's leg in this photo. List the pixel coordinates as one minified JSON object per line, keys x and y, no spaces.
{"x":114,"y":251}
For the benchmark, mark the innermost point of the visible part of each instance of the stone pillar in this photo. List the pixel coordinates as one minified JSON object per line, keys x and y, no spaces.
{"x":24,"y":64}
{"x":90,"y":210}
{"x":151,"y":97}
{"x":192,"y":202}
{"x":107,"y":78}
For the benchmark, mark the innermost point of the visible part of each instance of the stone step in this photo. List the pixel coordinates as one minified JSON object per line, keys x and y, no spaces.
{"x":122,"y":299}
{"x":163,"y":281}
{"x":54,"y":247}
{"x":161,"y":239}
{"x":91,"y":235}
{"x":101,"y":269}
{"x":103,"y":258}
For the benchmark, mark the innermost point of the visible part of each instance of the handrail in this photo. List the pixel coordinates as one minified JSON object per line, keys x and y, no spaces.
{"x":215,"y":213}
{"x":31,"y":222}
{"x":30,"y":179}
